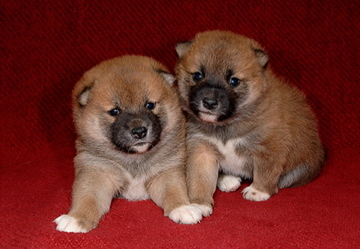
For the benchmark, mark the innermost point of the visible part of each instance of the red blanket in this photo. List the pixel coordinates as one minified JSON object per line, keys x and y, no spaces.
{"x":46,"y":47}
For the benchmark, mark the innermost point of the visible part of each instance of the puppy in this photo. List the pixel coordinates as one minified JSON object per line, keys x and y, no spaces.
{"x":242,"y":121}
{"x":131,"y":142}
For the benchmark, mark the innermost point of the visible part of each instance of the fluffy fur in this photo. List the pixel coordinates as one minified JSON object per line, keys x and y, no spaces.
{"x":242,"y":121}
{"x":131,"y":142}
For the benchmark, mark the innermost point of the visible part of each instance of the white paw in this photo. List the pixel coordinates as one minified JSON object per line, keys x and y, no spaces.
{"x":228,"y":183}
{"x":252,"y":194}
{"x":66,"y":223}
{"x":187,"y":214}
{"x":205,"y":210}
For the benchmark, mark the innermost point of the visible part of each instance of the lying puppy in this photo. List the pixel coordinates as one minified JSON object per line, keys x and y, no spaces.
{"x":131,"y":142}
{"x":242,"y":121}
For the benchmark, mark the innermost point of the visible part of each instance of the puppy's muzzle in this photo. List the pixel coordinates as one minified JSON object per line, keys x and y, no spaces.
{"x":135,"y":132}
{"x":211,"y":103}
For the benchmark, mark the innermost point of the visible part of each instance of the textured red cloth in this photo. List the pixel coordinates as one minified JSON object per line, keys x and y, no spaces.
{"x":47,"y":45}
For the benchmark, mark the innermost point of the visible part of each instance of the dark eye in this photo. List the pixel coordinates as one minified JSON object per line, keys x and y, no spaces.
{"x":197,"y":76}
{"x":150,"y":105}
{"x":114,"y":112}
{"x":234,"y":81}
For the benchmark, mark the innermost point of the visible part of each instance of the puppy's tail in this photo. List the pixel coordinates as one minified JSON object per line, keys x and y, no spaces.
{"x":299,"y":176}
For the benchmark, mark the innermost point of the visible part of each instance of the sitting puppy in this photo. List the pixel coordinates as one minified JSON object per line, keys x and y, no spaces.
{"x":242,"y":121}
{"x":131,"y":142}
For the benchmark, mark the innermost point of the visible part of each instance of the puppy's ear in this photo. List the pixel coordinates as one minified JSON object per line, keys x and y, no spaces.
{"x":182,"y":48}
{"x":262,"y":57}
{"x":84,"y":96}
{"x":168,"y":77}
{"x":82,"y":90}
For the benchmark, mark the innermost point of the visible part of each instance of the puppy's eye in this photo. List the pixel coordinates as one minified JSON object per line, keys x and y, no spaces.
{"x":197,"y":76}
{"x":114,"y":112}
{"x":150,"y":105}
{"x":234,"y":82}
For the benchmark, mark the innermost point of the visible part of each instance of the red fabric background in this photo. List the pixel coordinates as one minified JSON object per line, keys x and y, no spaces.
{"x":46,"y":47}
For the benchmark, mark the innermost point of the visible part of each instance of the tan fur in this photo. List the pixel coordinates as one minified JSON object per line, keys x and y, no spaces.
{"x":104,"y":172}
{"x":202,"y":171}
{"x":273,"y":132}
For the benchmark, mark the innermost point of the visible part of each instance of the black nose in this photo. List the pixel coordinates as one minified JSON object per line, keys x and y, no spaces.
{"x":210,"y":103}
{"x":139,"y":132}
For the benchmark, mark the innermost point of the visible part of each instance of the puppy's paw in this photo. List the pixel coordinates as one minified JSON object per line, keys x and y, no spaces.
{"x":205,"y":210}
{"x":252,"y":194}
{"x":187,"y":214}
{"x":66,"y":223}
{"x":228,"y":183}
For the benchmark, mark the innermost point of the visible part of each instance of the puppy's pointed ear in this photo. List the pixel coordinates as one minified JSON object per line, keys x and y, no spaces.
{"x":262,"y":57}
{"x":84,"y":96}
{"x":82,"y":90}
{"x":168,"y":77}
{"x":182,"y":48}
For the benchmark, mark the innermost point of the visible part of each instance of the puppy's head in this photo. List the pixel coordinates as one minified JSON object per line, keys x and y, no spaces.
{"x":125,"y":104}
{"x":220,"y":75}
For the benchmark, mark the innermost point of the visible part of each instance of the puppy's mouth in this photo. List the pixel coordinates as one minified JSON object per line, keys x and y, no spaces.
{"x":208,"y":116}
{"x":136,"y":148}
{"x":140,"y":148}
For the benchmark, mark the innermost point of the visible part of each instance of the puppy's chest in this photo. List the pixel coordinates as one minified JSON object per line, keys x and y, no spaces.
{"x":234,"y":158}
{"x":135,"y":190}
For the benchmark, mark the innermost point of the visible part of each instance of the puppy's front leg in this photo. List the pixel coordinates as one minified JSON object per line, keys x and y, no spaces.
{"x":201,"y":175}
{"x":168,"y":190}
{"x":265,"y":179}
{"x":91,"y":198}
